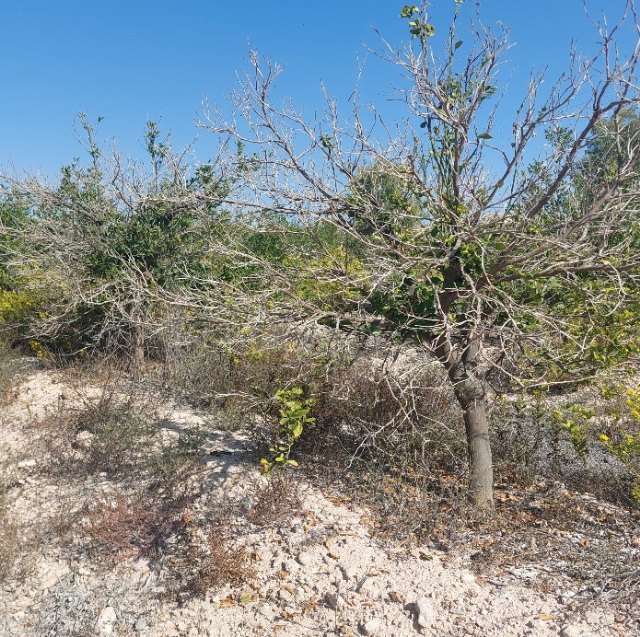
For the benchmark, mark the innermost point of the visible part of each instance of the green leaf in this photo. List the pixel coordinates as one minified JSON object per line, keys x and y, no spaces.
{"x":408,"y":10}
{"x":485,"y":136}
{"x":458,"y":44}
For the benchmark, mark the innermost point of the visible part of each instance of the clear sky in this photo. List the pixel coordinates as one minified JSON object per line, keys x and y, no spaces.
{"x":135,"y":60}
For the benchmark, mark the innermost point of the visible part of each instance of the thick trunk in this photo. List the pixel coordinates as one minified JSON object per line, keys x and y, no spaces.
{"x":461,"y":362}
{"x":470,"y":395}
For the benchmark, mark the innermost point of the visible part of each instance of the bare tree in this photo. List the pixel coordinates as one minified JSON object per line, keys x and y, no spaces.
{"x":100,"y":248}
{"x":484,"y":249}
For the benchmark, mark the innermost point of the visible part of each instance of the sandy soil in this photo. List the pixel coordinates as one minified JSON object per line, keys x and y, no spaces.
{"x":318,"y":572}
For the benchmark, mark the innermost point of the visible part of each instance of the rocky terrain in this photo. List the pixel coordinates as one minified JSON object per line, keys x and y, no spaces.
{"x":299,"y":559}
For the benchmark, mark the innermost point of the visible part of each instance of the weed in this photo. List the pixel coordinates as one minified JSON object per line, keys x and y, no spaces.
{"x":275,"y":500}
{"x":213,"y":560}
{"x":294,"y":419}
{"x":9,"y":542}
{"x":128,"y":527}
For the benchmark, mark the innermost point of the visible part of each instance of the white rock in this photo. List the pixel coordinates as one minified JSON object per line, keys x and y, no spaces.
{"x":371,"y":627}
{"x":285,"y":595}
{"x":468,"y":578}
{"x":140,"y":625}
{"x":25,"y":464}
{"x":84,"y":439}
{"x":105,"y":622}
{"x":426,"y":612}
{"x":304,"y":559}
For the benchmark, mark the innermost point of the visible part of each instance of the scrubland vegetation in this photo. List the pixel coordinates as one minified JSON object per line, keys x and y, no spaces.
{"x":438,"y":319}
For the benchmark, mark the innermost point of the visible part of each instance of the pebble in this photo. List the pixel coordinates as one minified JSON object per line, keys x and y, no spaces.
{"x":572,"y":631}
{"x":371,"y":627}
{"x":285,"y":595}
{"x":84,"y":439}
{"x":304,"y":559}
{"x":106,"y":619}
{"x":426,"y":612}
{"x":141,"y":624}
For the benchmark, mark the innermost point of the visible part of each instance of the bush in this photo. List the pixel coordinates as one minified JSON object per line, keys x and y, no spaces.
{"x":242,"y":377}
{"x":588,"y":439}
{"x":8,"y":375}
{"x":102,"y":428}
{"x":399,"y":415}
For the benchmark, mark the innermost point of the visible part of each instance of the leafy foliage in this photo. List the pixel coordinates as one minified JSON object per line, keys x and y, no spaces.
{"x":294,"y":418}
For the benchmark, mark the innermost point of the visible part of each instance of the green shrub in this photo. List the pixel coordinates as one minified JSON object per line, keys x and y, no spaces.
{"x":294,"y":419}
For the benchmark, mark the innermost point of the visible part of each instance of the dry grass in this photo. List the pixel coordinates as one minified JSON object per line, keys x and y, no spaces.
{"x":275,"y":501}
{"x":105,"y":425}
{"x":8,"y":373}
{"x":16,"y":546}
{"x":212,"y":559}
{"x":129,"y":527}
{"x":9,"y":543}
{"x":117,"y":429}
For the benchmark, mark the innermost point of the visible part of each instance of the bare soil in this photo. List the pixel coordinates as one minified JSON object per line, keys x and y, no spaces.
{"x":94,"y":554}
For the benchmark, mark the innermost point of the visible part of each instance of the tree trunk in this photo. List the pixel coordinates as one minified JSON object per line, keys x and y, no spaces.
{"x":471,"y":396}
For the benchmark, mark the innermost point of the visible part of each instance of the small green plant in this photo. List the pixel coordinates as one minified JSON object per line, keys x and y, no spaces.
{"x":623,"y":439}
{"x":574,"y":421}
{"x":294,"y":417}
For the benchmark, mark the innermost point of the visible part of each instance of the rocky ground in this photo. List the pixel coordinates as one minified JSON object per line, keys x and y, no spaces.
{"x":300,"y":560}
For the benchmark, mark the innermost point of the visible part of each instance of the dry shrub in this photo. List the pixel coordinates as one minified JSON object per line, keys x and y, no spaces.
{"x":242,"y":378}
{"x":8,"y":373}
{"x":117,"y":429}
{"x":212,"y":559}
{"x":197,"y":554}
{"x":275,"y":500}
{"x":173,"y":467}
{"x":129,"y":527}
{"x":522,"y":439}
{"x":405,"y":419}
{"x":558,"y":438}
{"x":9,"y":543}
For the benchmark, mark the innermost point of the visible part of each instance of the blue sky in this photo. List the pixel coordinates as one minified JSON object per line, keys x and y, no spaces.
{"x":134,"y":61}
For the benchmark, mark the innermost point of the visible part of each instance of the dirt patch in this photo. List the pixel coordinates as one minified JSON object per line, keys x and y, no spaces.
{"x":240,"y":556}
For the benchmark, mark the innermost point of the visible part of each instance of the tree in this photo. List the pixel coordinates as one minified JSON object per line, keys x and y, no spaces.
{"x":115,"y":240}
{"x":480,"y":249}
